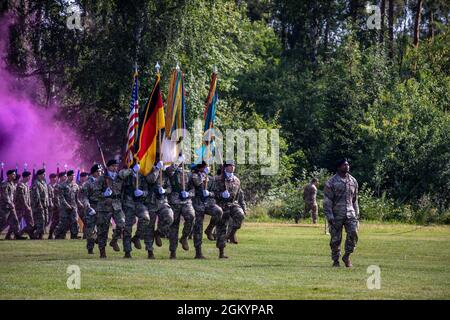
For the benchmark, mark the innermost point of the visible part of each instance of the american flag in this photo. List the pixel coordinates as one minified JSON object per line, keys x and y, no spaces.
{"x":133,"y":122}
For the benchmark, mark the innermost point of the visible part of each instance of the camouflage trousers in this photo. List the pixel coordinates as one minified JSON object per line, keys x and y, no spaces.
{"x":186,"y":211}
{"x":233,"y":211}
{"x":27,"y":216}
{"x":40,"y":217}
{"x":54,"y":220}
{"x":201,"y":209}
{"x":135,"y":211}
{"x":164,"y":215}
{"x":68,"y":219}
{"x":351,"y":228}
{"x":311,"y":207}
{"x":9,"y":218}
{"x":89,"y":228}
{"x":103,"y":222}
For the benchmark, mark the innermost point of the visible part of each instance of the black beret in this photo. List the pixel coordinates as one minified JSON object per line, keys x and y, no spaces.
{"x":84,"y":174}
{"x":95,"y":168}
{"x":26,"y":174}
{"x":340,"y":162}
{"x":53,"y":175}
{"x":62,"y":174}
{"x":10,"y":172}
{"x":70,"y":173}
{"x":112,"y":162}
{"x":40,"y":171}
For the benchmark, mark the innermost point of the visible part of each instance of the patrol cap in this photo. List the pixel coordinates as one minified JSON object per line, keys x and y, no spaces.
{"x":112,"y":162}
{"x":26,"y":174}
{"x":62,"y":174}
{"x":95,"y":168}
{"x":40,"y":171}
{"x":70,"y":173}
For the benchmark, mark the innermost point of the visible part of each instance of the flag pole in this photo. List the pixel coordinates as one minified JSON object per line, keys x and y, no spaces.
{"x":135,"y":74}
{"x":157,"y":68}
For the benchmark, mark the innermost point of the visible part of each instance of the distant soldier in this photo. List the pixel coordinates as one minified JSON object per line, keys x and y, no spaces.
{"x":204,"y":203}
{"x":55,"y":186}
{"x":8,"y":215}
{"x":342,"y":210}
{"x":51,"y":196}
{"x":23,"y":204}
{"x":69,"y":202}
{"x":90,"y":197}
{"x":229,"y":196}
{"x":39,"y":203}
{"x":110,"y":206}
{"x":310,"y":199}
{"x":84,"y":176}
{"x":181,"y":204}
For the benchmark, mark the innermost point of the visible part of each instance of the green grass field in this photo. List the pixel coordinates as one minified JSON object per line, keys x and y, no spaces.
{"x":272,"y":261}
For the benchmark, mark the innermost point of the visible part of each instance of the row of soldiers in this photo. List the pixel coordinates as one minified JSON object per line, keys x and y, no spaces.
{"x":155,"y":202}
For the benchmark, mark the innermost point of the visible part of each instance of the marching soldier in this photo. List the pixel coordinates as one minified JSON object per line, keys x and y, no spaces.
{"x":181,"y":204}
{"x":110,"y":205}
{"x":90,"y":197}
{"x":55,"y":187}
{"x":23,"y":204}
{"x":39,"y":203}
{"x":203,"y":203}
{"x":84,"y":176}
{"x":229,"y":196}
{"x":342,"y":210}
{"x":68,"y":212}
{"x":8,"y":215}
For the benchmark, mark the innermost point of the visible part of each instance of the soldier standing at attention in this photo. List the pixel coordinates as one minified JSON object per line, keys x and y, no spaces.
{"x":39,"y":203}
{"x":69,"y":203}
{"x":204,"y":203}
{"x":342,"y":210}
{"x":55,"y":187}
{"x":8,"y":216}
{"x":23,"y":204}
{"x":181,"y":204}
{"x":310,"y":199}
{"x":110,"y":205}
{"x":84,"y":176}
{"x":90,"y":196}
{"x":229,"y":196}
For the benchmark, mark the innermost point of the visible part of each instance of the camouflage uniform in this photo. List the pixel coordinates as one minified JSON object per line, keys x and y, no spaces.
{"x":51,"y":206}
{"x":53,"y":193}
{"x":23,"y":207}
{"x":68,"y":212}
{"x":158,"y":207}
{"x":309,"y":196}
{"x":203,"y":205}
{"x":39,"y":206}
{"x":90,"y":197}
{"x":134,"y":207}
{"x":233,"y":207}
{"x":341,"y":207}
{"x":110,"y":207}
{"x":180,"y":207}
{"x":8,"y":214}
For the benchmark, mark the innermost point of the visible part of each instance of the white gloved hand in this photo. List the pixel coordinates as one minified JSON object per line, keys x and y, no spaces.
{"x":108,"y":192}
{"x":136,"y":168}
{"x":91,"y":212}
{"x":181,"y":159}
{"x":159,"y":165}
{"x":205,"y":193}
{"x":206,"y":171}
{"x":138,"y":193}
{"x":161,"y":190}
{"x":225,"y":194}
{"x":184,"y":194}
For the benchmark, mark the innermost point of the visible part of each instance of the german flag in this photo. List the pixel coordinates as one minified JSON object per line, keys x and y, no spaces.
{"x":150,"y":127}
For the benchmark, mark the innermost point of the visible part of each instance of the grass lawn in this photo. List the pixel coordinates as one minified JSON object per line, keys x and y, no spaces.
{"x":272,"y":261}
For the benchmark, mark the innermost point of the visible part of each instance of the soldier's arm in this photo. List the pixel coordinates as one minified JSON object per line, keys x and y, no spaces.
{"x":37,"y":197}
{"x":355,"y":201}
{"x":241,"y":200}
{"x":124,"y":173}
{"x":85,"y":192}
{"x":62,"y":199}
{"x":153,"y":175}
{"x":9,"y":195}
{"x":328,"y":196}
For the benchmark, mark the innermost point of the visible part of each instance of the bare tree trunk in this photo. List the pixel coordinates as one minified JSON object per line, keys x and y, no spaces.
{"x":391,"y":28}
{"x":431,"y":23}
{"x":383,"y":15}
{"x":417,"y":23}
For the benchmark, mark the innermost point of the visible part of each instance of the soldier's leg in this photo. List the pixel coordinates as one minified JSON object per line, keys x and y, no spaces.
{"x":165,"y":219}
{"x":13,"y":223}
{"x":198,"y":228}
{"x":237,"y":217}
{"x":314,"y":213}
{"x":38,"y":216}
{"x":103,"y":220}
{"x":351,"y":228}
{"x":119,"y":218}
{"x":54,"y":223}
{"x":148,"y":234}
{"x":90,"y":221}
{"x":173,"y":230}
{"x":216,"y":214}
{"x":221,"y":231}
{"x":74,"y":229}
{"x":188,"y":214}
{"x":130,"y":220}
{"x":336,"y":239}
{"x":29,"y":221}
{"x":45,"y":219}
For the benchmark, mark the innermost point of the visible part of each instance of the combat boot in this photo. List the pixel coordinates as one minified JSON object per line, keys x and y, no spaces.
{"x":8,"y":235}
{"x":102,"y":253}
{"x":198,"y":253}
{"x":336,"y":263}
{"x":184,"y":243}
{"x":173,"y":254}
{"x":209,"y":232}
{"x":150,"y":256}
{"x":232,"y":236}
{"x":19,"y":237}
{"x":90,"y":251}
{"x":158,"y":241}
{"x":113,"y":243}
{"x":137,"y":242}
{"x":127,"y":255}
{"x":222,"y":253}
{"x":346,"y":260}
{"x":74,"y":237}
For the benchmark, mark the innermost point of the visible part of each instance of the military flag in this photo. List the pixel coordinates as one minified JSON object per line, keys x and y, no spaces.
{"x":1,"y":173}
{"x":150,"y":128}
{"x":133,"y":122}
